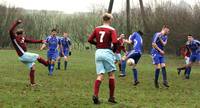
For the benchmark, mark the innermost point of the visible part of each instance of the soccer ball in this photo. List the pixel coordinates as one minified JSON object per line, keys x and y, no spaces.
{"x":130,"y":62}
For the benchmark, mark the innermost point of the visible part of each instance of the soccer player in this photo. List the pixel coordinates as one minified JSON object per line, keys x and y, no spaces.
{"x":65,"y":51}
{"x":19,"y":41}
{"x":53,"y":43}
{"x":120,"y":47}
{"x":158,"y":43}
{"x":102,"y":37}
{"x":187,"y":54}
{"x":136,"y":40}
{"x":194,"y":47}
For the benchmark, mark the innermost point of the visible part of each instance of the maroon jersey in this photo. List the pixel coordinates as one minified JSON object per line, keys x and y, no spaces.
{"x":187,"y":52}
{"x":19,"y":42}
{"x":120,"y":46}
{"x":103,"y":36}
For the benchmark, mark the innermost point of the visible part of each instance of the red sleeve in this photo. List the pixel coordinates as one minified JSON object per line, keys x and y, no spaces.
{"x":11,"y":30}
{"x":114,"y":37}
{"x":91,"y":38}
{"x":32,"y":41}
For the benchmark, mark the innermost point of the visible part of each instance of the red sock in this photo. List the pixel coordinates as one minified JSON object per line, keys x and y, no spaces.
{"x":119,"y":67}
{"x":44,"y":62}
{"x":112,"y":87}
{"x":96,"y":87}
{"x":32,"y":76}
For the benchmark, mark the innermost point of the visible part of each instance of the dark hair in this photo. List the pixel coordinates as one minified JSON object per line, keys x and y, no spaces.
{"x":140,"y":32}
{"x":189,"y":35}
{"x":53,"y":30}
{"x":19,"y":31}
{"x":165,"y":26}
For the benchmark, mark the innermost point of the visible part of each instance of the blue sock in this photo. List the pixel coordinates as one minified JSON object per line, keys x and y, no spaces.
{"x":164,"y":74}
{"x":58,"y":64}
{"x":157,"y":71}
{"x":188,"y":70}
{"x":135,"y":74}
{"x":51,"y":69}
{"x":123,"y":67}
{"x":65,"y":65}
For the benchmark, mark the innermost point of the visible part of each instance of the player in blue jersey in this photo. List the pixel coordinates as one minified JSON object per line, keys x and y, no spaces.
{"x":66,"y":49}
{"x":133,"y":56}
{"x":194,"y":47}
{"x":53,"y":43}
{"x":157,"y":52}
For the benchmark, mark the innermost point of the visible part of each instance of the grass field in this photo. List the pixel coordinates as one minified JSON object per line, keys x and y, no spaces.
{"x":74,"y":88}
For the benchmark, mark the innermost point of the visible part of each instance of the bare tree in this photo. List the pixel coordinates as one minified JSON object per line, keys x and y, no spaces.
{"x":146,"y":29}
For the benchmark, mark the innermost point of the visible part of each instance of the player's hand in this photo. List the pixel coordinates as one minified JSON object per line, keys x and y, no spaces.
{"x":19,"y":21}
{"x":44,"y":41}
{"x":162,"y":52}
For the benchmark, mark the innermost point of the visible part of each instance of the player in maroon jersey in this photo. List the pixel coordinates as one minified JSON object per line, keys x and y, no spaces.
{"x":186,"y":55}
{"x":20,"y":41}
{"x":120,"y":47}
{"x":102,"y":37}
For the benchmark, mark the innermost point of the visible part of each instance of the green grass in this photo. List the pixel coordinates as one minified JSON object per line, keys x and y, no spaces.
{"x":74,"y":88}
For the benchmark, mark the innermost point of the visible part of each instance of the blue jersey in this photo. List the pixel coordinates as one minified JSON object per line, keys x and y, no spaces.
{"x":194,"y":46}
{"x":137,"y":42}
{"x":65,"y":42}
{"x":52,"y":43}
{"x":156,"y":39}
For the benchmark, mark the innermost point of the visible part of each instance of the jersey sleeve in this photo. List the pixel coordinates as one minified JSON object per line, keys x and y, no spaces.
{"x":132,"y":37}
{"x":32,"y":40}
{"x":92,"y":37}
{"x":114,"y":37}
{"x":155,"y":38}
{"x":11,"y":30}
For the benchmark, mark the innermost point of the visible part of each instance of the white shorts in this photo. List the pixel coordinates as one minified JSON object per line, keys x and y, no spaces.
{"x":104,"y":59}
{"x":187,"y":60}
{"x":118,"y":56}
{"x":29,"y":59}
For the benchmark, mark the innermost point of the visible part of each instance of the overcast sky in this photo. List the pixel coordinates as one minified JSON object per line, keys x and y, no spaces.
{"x":71,"y":6}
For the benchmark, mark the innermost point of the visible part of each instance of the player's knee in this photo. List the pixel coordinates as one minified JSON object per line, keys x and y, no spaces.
{"x":157,"y":66}
{"x":163,"y":65}
{"x":100,"y":77}
{"x":33,"y":67}
{"x":111,"y":75}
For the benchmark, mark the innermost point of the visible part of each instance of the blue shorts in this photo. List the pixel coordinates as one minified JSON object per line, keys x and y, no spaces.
{"x":134,"y":55}
{"x":52,"y":55}
{"x":195,"y":58}
{"x":104,"y":59}
{"x":29,"y":59}
{"x":158,"y":59}
{"x":66,"y":53}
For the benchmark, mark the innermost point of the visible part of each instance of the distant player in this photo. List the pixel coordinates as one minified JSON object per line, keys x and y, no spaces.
{"x":158,"y":43}
{"x":194,"y":47}
{"x":120,"y":47}
{"x":102,"y":37}
{"x":20,"y":41}
{"x":65,"y":50}
{"x":187,"y":54}
{"x":134,"y":55}
{"x":53,"y":43}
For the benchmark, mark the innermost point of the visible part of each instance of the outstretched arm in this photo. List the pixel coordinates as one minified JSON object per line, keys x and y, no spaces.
{"x":34,"y":41}
{"x":12,"y":29}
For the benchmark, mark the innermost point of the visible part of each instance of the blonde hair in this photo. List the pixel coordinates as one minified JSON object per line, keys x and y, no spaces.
{"x":107,"y":17}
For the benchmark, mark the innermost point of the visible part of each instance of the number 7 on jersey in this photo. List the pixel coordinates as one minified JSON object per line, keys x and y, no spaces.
{"x":102,"y":33}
